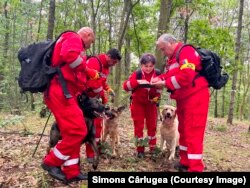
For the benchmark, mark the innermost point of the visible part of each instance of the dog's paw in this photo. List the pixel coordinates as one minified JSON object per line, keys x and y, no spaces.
{"x":114,"y":154}
{"x":171,"y":157}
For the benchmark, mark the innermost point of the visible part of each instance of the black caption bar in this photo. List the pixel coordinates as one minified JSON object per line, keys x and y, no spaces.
{"x":168,"y":179}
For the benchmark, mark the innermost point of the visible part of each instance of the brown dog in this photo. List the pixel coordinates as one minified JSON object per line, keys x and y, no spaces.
{"x":111,"y":128}
{"x":169,"y":130}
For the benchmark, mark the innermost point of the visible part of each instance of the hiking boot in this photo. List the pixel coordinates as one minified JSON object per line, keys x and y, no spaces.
{"x":80,"y":177}
{"x":90,"y":160}
{"x":54,"y":171}
{"x":141,"y":155}
{"x":180,"y":167}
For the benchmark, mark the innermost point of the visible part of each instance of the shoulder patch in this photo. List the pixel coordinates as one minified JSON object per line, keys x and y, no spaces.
{"x":187,"y":65}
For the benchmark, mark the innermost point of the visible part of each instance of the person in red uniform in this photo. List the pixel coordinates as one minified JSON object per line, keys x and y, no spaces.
{"x":144,"y":102}
{"x":99,"y":88}
{"x":62,"y":162}
{"x":192,"y":99}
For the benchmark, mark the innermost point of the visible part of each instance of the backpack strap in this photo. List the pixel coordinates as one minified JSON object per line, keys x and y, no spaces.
{"x":157,"y":72}
{"x":179,"y":51}
{"x":63,"y":83}
{"x":99,"y":61}
{"x":138,"y":74}
{"x":59,"y":72}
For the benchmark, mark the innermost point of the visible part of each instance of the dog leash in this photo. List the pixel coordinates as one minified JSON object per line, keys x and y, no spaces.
{"x":41,"y":135}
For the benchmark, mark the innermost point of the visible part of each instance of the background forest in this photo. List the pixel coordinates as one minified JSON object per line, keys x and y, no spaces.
{"x":133,"y":27}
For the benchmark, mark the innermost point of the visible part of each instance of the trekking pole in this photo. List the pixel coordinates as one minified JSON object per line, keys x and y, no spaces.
{"x":41,"y":135}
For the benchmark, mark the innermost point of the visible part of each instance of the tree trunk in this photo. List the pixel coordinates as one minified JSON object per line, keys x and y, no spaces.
{"x":216,"y":104}
{"x":223,"y":102}
{"x":40,"y":20}
{"x":246,"y":87}
{"x":164,"y":18}
{"x":6,"y":40}
{"x":51,"y":19}
{"x":128,"y":6}
{"x":235,"y":75}
{"x":110,"y":25}
{"x":127,"y":59}
{"x":93,"y":19}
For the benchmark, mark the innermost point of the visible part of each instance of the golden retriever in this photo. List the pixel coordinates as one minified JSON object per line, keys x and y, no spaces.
{"x":111,"y":128}
{"x":169,"y":130}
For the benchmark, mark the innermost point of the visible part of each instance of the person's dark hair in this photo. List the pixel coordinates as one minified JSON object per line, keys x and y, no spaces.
{"x":146,"y":58}
{"x":114,"y":54}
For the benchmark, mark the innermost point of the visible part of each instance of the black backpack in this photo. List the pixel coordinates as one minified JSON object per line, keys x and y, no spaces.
{"x":36,"y":70}
{"x":211,"y":67}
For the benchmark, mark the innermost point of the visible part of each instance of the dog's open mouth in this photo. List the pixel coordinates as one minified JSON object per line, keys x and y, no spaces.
{"x":168,"y":116}
{"x":98,"y":114}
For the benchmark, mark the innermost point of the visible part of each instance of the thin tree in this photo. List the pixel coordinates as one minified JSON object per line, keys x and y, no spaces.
{"x":51,"y":19}
{"x":235,"y":75}
{"x":40,"y":21}
{"x":164,"y":18}
{"x":128,"y":7}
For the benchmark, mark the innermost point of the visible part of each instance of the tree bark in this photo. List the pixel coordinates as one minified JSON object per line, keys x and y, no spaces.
{"x":164,"y":18}
{"x":235,"y":75}
{"x":128,"y":6}
{"x":51,"y":19}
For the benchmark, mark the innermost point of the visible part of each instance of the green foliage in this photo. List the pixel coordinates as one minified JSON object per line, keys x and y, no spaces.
{"x":142,"y":32}
{"x":219,"y":40}
{"x":11,"y":120}
{"x":140,"y":142}
{"x":219,"y":128}
{"x":156,"y":154}
{"x":105,"y":148}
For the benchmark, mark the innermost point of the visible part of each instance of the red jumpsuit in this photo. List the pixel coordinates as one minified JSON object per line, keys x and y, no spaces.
{"x":69,"y":49}
{"x":96,"y":88}
{"x":192,"y":99}
{"x":143,"y":109}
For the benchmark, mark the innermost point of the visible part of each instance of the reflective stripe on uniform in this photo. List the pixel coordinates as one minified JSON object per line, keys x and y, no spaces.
{"x":183,"y":148}
{"x":196,"y":54}
{"x":158,"y":90}
{"x":151,"y":137}
{"x":175,"y":65}
{"x":98,"y":90}
{"x":59,"y":155}
{"x":175,"y":83}
{"x":71,"y":162}
{"x":103,"y":75}
{"x":97,"y":139}
{"x":76,"y":63}
{"x":83,"y":53}
{"x":129,"y":85}
{"x":194,"y":156}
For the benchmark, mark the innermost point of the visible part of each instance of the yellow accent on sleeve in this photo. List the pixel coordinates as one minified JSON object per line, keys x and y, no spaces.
{"x":187,"y":65}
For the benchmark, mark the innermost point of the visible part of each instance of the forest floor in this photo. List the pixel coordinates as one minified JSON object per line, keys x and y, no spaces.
{"x":226,"y":149}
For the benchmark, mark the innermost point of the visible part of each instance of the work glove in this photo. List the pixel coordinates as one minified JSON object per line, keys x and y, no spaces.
{"x":92,"y":73}
{"x":155,"y":100}
{"x":111,"y":92}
